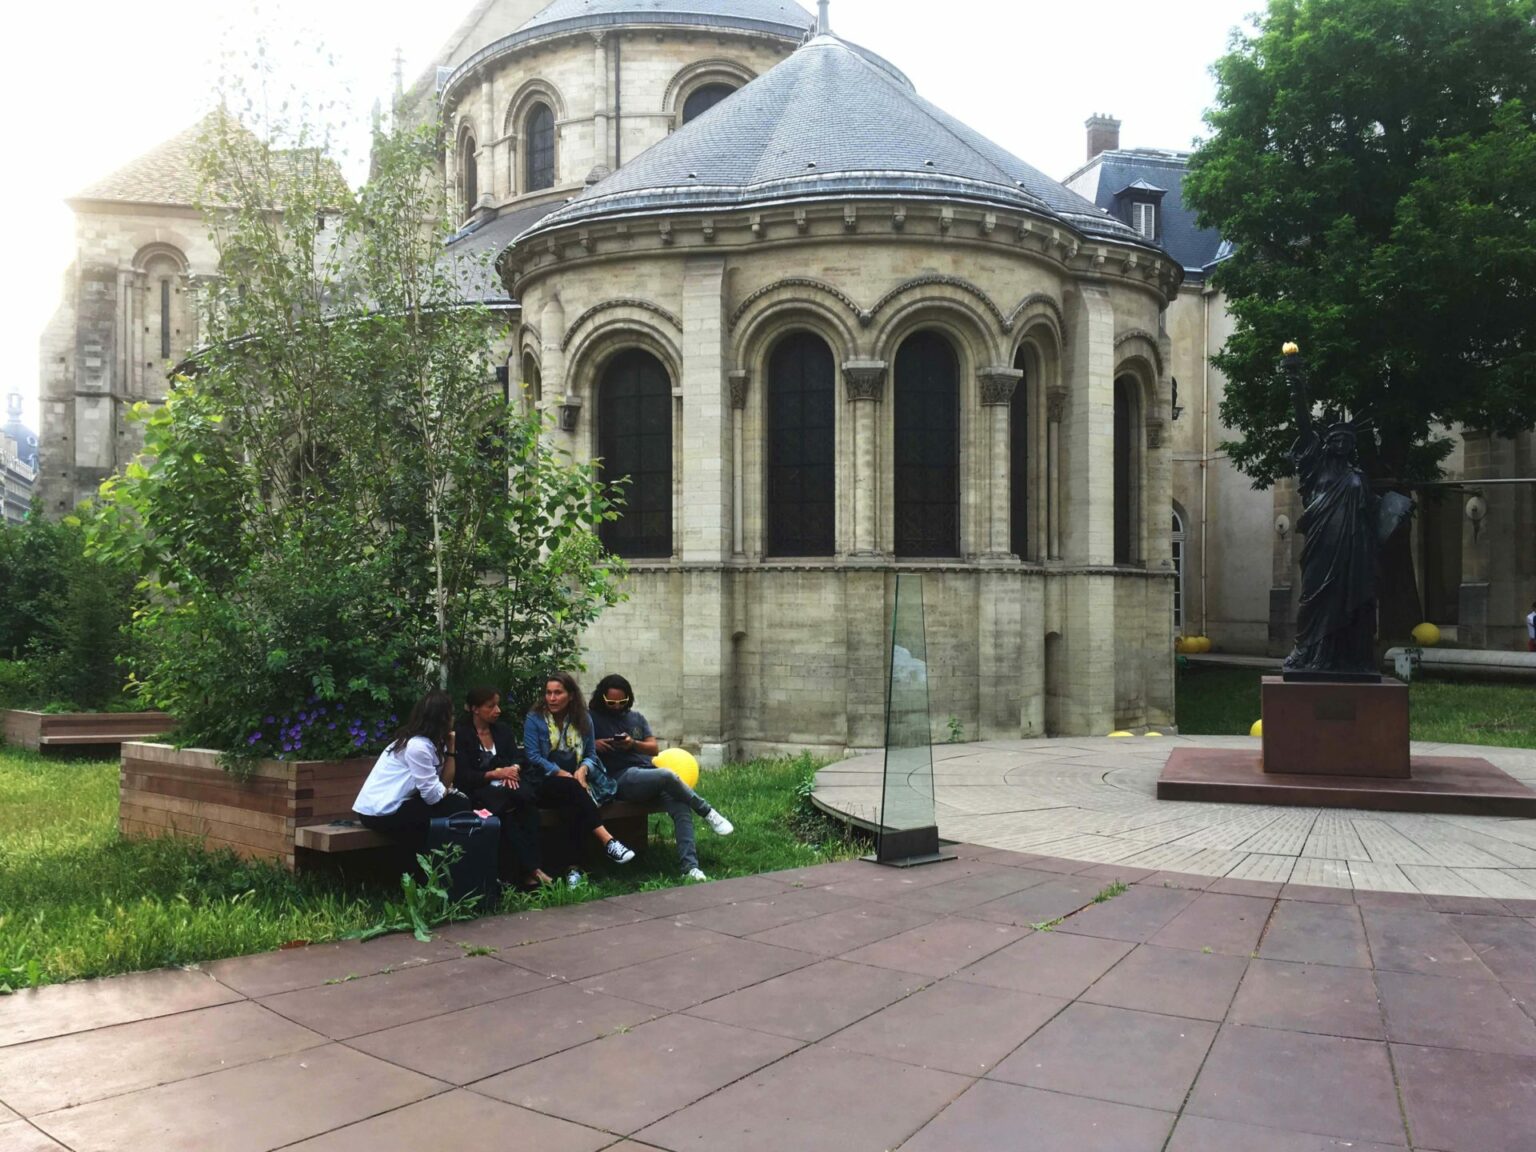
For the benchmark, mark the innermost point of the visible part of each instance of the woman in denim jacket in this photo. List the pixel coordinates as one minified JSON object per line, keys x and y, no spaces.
{"x":565,"y":771}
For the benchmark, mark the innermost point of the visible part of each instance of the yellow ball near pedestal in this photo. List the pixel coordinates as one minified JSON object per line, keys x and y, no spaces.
{"x":1118,"y":735}
{"x":1258,"y":728}
{"x":1426,"y":635}
{"x":681,"y":762}
{"x":1180,"y":644}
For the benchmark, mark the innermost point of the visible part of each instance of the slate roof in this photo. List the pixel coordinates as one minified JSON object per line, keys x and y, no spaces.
{"x":474,"y":251}
{"x":826,"y":123}
{"x":1152,"y":170}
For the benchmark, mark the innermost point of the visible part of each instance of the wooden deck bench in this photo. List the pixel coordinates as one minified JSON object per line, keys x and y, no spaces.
{"x":626,"y":821}
{"x":40,"y":730}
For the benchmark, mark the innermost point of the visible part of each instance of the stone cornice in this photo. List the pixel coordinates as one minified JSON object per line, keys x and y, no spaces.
{"x":880,"y":220}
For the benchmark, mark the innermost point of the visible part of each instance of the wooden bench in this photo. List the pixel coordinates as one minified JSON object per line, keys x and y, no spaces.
{"x":626,"y":821}
{"x":39,"y":730}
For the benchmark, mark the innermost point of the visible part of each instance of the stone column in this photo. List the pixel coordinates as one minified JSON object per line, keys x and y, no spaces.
{"x":485,"y":154}
{"x":740,"y":380}
{"x":996,"y":385}
{"x":600,"y":147}
{"x":1088,"y":443}
{"x":1055,"y":412}
{"x":865,"y":383}
{"x":704,"y":450}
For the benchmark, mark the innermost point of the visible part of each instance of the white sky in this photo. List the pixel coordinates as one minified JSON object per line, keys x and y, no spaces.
{"x":91,"y":85}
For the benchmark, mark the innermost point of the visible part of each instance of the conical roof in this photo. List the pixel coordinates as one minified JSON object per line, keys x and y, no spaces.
{"x":828,"y":124}
{"x":782,"y":15}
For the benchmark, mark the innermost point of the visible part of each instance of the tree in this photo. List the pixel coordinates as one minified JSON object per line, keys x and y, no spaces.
{"x":338,"y":505}
{"x":1373,"y":163}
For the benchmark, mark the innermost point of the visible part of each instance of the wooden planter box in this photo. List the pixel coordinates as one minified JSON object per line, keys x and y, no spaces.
{"x":40,"y":730}
{"x":167,"y":791}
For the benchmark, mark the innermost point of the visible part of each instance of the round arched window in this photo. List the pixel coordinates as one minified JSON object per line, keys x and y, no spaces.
{"x":703,"y":98}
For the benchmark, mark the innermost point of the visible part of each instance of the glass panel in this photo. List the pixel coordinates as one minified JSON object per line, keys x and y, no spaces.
{"x":927,"y":448}
{"x":908,"y":826}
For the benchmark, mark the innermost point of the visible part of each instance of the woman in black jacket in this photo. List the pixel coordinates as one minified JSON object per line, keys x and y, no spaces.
{"x":488,"y":769}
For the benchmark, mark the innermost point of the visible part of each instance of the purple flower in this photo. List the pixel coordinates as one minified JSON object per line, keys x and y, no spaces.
{"x":253,"y":737}
{"x":271,"y":720}
{"x":331,"y":727}
{"x":303,"y":716}
{"x":392,"y":719}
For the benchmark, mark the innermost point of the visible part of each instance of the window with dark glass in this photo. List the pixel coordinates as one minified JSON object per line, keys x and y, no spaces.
{"x":802,"y":387}
{"x":1018,"y":462}
{"x":702,"y":99}
{"x":1178,"y":570}
{"x":539,"y":147}
{"x":634,"y":439}
{"x":1125,"y":458}
{"x":469,"y":176}
{"x":165,"y":319}
{"x":927,"y":447}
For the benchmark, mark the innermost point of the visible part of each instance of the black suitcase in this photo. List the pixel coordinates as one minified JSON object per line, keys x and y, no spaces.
{"x":474,"y":872}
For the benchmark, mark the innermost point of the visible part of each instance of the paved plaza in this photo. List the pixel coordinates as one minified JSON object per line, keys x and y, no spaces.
{"x":984,"y":1003}
{"x":1267,"y":980}
{"x":1093,"y":799}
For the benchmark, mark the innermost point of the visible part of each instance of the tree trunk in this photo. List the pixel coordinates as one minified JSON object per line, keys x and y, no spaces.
{"x":1399,"y":609}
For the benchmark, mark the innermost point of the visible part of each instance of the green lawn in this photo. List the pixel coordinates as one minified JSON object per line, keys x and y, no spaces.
{"x":76,"y":901}
{"x":1215,"y":701}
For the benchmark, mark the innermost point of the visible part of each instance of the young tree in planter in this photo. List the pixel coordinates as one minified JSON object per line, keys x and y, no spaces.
{"x":1374,"y":164}
{"x":336,"y":505}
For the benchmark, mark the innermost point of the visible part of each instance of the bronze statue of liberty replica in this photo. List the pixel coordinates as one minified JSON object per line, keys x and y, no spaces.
{"x":1344,"y":525}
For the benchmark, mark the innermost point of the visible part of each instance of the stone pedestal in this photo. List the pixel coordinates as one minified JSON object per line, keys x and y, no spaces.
{"x":1335,"y":729}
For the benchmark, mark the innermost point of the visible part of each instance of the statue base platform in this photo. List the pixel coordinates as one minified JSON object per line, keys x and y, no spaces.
{"x":1335,"y":728}
{"x":1465,"y":786}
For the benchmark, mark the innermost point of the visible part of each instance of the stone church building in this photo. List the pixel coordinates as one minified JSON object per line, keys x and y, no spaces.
{"x":829,"y":333}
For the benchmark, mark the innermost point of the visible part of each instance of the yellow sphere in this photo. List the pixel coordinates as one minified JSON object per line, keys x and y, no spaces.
{"x":1117,"y":735}
{"x":1257,"y":729}
{"x":680,"y":762}
{"x":1151,"y":733}
{"x":1180,"y":644}
{"x":1427,"y":635}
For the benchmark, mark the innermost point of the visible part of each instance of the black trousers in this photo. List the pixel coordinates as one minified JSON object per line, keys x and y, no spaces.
{"x":407,"y":824}
{"x":578,"y":816}
{"x":518,"y":809}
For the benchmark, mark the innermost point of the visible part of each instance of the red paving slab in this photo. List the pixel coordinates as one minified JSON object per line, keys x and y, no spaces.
{"x":988,"y":1003}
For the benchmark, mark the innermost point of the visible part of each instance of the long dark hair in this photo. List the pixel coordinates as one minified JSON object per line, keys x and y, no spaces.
{"x":612,"y":680}
{"x":432,"y":717}
{"x":576,"y":711}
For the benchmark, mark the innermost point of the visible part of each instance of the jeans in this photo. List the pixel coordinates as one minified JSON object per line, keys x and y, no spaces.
{"x":644,"y":785}
{"x":578,"y":817}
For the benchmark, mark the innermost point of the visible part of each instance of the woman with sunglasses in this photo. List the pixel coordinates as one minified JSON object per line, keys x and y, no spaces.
{"x":625,"y":745}
{"x":566,"y":773}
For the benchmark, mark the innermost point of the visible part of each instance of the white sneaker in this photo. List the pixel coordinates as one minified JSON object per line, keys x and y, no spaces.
{"x":718,"y":824}
{"x":574,"y":879}
{"x":618,"y":853}
{"x":694,"y":874}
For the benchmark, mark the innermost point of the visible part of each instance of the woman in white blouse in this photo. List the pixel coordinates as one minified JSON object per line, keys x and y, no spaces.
{"x":408,"y":786}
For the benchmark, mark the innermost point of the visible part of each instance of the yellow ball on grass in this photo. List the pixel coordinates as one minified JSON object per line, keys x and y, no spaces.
{"x":1426,"y":635}
{"x":1258,"y":728}
{"x":681,"y":762}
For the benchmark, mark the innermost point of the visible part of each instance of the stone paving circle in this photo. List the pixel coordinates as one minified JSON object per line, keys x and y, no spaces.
{"x":1093,"y":799}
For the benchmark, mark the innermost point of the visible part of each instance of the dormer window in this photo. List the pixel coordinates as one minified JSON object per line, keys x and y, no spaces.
{"x":1137,"y":204}
{"x":1144,"y":218}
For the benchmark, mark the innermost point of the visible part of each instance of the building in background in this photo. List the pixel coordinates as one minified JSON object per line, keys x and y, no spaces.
{"x":18,"y":463}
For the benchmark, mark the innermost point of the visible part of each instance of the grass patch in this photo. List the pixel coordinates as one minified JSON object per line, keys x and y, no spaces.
{"x":1225,"y":702}
{"x":1106,"y":894}
{"x":77,"y":901}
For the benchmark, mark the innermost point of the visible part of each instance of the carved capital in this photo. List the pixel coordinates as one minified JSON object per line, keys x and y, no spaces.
{"x":864,"y":379}
{"x":1154,"y":433}
{"x":740,"y":379}
{"x":1055,"y":405}
{"x":997,"y":384}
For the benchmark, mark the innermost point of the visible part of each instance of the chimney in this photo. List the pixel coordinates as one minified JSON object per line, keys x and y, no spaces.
{"x":823,"y":20}
{"x":1103,"y":134}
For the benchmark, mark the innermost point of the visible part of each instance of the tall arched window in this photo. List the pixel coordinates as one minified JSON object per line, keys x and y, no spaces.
{"x":1126,"y":456}
{"x":634,"y":439}
{"x":533,"y":387}
{"x":1018,"y":461}
{"x":927,"y":447}
{"x":801,"y":448}
{"x":539,"y":148}
{"x":469,"y":176}
{"x":703,"y":98}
